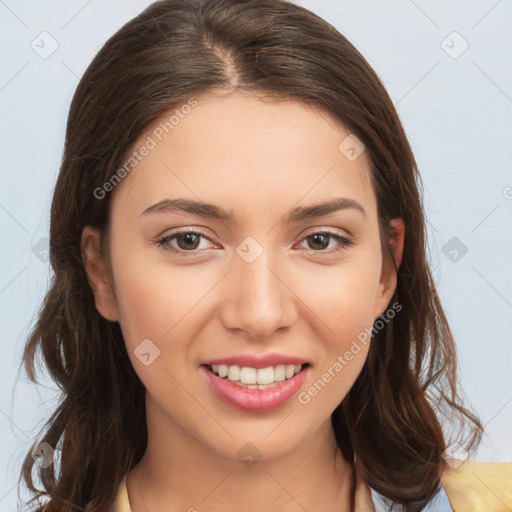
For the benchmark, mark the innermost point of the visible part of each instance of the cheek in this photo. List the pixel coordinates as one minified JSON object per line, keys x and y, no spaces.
{"x":345,"y":311}
{"x":159,"y":302}
{"x":345,"y":297}
{"x":144,"y":311}
{"x":158,"y":322}
{"x":144,"y":292}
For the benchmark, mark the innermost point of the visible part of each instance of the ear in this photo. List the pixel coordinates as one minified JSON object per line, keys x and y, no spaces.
{"x":388,"y":278}
{"x":95,"y":268}
{"x":397,"y":240}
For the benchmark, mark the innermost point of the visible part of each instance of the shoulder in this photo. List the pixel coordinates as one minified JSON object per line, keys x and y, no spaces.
{"x":474,"y":486}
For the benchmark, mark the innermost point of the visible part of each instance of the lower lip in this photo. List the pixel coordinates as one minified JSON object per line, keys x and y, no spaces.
{"x":254,"y":400}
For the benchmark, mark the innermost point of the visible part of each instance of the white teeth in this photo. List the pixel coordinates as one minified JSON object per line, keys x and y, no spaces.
{"x":233,"y":373}
{"x":265,"y":375}
{"x":279,"y":373}
{"x":253,"y":378}
{"x":289,"y":371}
{"x":247,"y":375}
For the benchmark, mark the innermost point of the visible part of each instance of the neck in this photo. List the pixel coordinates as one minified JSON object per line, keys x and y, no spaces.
{"x":178,"y":472}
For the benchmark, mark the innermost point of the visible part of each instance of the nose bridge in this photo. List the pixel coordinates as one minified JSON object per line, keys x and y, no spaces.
{"x":257,"y":300}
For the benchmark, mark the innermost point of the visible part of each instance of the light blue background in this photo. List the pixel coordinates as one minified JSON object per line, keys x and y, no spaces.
{"x":456,"y":113}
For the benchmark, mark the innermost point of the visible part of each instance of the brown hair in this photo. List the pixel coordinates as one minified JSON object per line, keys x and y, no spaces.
{"x":389,"y":423}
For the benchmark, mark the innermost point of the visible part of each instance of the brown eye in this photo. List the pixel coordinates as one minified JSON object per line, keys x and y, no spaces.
{"x":186,"y":241}
{"x":319,"y":242}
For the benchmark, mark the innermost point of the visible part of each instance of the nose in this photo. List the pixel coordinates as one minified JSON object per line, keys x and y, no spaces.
{"x":258,"y":300}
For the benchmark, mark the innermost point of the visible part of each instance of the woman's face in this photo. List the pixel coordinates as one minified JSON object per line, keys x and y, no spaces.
{"x":268,"y":286}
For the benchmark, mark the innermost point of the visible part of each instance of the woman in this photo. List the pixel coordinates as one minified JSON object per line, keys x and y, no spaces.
{"x":242,"y":312}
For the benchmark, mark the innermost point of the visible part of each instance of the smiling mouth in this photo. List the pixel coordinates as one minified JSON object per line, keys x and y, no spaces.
{"x":256,"y":378}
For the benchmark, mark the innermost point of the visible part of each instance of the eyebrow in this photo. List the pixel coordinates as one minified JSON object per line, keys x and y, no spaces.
{"x":217,"y":213}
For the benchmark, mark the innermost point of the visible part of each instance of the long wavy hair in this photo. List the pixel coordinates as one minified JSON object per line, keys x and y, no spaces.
{"x":391,"y":423}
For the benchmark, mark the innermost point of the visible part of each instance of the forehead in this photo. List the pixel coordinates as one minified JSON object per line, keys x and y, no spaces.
{"x":240,"y":149}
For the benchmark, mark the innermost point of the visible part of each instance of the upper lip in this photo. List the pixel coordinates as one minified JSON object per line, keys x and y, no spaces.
{"x":253,"y":361}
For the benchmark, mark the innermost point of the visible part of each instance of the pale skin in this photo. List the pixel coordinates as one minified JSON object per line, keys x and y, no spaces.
{"x":261,"y":160}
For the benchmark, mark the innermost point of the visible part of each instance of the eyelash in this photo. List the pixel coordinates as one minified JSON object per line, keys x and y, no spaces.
{"x":344,"y":242}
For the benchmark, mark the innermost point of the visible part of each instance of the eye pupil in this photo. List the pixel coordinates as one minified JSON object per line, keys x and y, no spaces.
{"x":319,"y":238}
{"x":189,"y":238}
